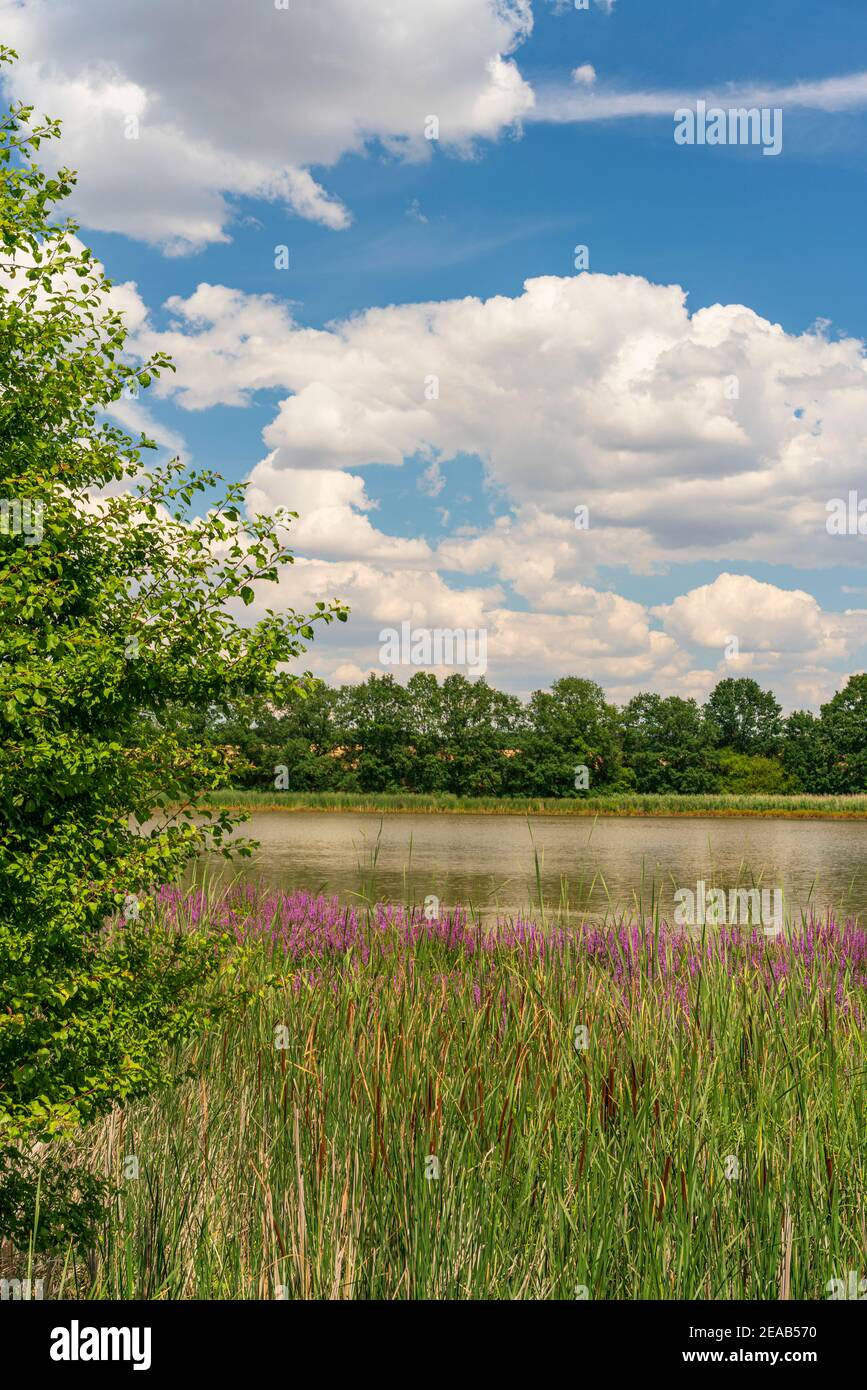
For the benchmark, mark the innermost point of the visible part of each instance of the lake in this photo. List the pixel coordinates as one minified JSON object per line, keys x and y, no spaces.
{"x":490,"y":862}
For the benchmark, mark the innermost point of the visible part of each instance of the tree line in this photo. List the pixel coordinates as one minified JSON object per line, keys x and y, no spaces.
{"x":470,"y":739}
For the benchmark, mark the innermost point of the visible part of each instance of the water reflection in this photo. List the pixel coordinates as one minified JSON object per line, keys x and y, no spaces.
{"x":502,"y":863}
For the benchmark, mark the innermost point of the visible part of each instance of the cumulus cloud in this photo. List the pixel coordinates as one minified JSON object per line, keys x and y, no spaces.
{"x":170,"y":109}
{"x":600,"y":635}
{"x":332,"y":523}
{"x":785,"y":639}
{"x":596,"y":388}
{"x":711,"y":436}
{"x":690,"y":438}
{"x":768,"y":622}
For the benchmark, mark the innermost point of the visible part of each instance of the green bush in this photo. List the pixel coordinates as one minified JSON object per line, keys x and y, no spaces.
{"x":746,"y":774}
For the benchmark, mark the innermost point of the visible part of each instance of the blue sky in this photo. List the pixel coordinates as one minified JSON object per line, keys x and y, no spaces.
{"x":258,"y":129}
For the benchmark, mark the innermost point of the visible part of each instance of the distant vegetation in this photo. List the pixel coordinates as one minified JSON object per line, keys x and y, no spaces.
{"x":619,"y":804}
{"x":464,"y":739}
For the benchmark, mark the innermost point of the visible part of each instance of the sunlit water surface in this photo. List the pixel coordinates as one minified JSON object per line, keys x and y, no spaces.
{"x":497,"y":863}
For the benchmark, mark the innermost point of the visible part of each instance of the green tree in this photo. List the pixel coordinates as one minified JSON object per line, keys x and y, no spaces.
{"x":667,"y":744}
{"x":426,"y":769}
{"x":569,"y":727}
{"x":308,"y":741}
{"x":843,"y":722}
{"x":115,"y":613}
{"x":375,"y":717}
{"x":806,"y":755}
{"x":478,"y":728}
{"x":745,"y":717}
{"x":300,"y":739}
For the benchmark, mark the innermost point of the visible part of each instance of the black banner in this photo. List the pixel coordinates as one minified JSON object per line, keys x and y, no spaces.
{"x":65,"y":1339}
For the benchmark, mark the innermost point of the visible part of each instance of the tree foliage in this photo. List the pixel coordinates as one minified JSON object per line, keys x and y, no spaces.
{"x":668,"y":745}
{"x":119,"y":617}
{"x":744,"y":717}
{"x":466,"y":737}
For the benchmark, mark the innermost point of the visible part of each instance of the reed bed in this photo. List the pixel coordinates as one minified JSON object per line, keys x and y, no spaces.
{"x":625,"y":804}
{"x":409,"y":1108}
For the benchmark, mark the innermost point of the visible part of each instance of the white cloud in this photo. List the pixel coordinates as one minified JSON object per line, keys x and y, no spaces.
{"x":561,"y":103}
{"x":243,"y":99}
{"x":171,"y":110}
{"x":787,"y":641}
{"x":769,"y":623}
{"x":332,"y":524}
{"x":432,"y":481}
{"x":598,"y":389}
{"x":602,"y":636}
{"x":715,"y":436}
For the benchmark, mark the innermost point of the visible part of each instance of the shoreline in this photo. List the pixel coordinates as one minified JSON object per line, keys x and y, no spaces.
{"x":604,"y":809}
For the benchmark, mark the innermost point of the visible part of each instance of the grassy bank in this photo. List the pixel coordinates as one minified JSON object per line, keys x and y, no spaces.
{"x":627,"y":804}
{"x":412,"y":1109}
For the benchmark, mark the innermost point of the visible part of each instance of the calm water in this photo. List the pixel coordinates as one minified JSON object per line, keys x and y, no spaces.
{"x":488,"y":861}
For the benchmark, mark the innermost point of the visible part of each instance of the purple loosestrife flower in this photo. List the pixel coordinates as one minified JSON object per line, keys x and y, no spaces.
{"x":646,"y":963}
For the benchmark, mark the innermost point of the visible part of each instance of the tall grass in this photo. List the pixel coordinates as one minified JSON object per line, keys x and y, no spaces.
{"x":625,"y":804}
{"x":707,"y":1142}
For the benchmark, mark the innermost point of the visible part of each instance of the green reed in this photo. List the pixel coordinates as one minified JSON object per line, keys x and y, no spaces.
{"x":717,"y":1153}
{"x":625,"y":804}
